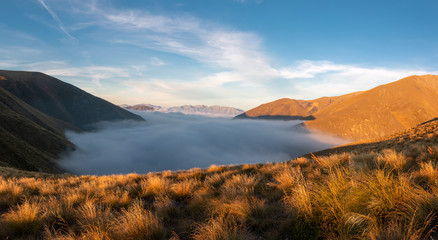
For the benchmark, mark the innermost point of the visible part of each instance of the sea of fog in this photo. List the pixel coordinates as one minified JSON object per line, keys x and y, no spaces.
{"x":171,"y":141}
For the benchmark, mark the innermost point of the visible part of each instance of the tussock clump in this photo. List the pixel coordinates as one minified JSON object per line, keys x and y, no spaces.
{"x":155,"y":185}
{"x":94,"y":216}
{"x":166,"y":208}
{"x":184,"y":189}
{"x":285,"y":180}
{"x":241,"y":209}
{"x":333,"y":200}
{"x":116,"y":199}
{"x":301,"y":161}
{"x":390,"y":159}
{"x":334,"y":160}
{"x":364,"y":162}
{"x":222,"y":229}
{"x":299,"y":197}
{"x":138,"y":223}
{"x":215,"y":168}
{"x":239,"y":185}
{"x":26,"y":219}
{"x":215,"y":180}
{"x":10,"y":192}
{"x":427,"y":174}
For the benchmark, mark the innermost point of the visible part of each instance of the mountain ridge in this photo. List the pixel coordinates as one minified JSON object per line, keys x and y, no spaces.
{"x":29,"y":139}
{"x":62,"y":100}
{"x":35,"y":113}
{"x":203,"y":110}
{"x":377,"y":112}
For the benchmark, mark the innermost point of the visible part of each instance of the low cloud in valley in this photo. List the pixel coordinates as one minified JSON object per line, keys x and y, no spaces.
{"x":176,"y":141}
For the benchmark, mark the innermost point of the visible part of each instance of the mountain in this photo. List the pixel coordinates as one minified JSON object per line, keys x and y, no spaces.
{"x":61,"y":100}
{"x":35,"y":111}
{"x":292,"y":109}
{"x":29,"y":139}
{"x":383,"y":110}
{"x":380,"y":111}
{"x":217,"y":111}
{"x":142,"y":107}
{"x":204,"y":110}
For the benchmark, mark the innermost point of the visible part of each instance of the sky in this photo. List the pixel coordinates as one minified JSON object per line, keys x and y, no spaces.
{"x":238,"y":53}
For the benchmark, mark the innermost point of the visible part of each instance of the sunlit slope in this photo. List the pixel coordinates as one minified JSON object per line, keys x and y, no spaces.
{"x":380,"y":111}
{"x":295,"y":109}
{"x":29,"y":139}
{"x":383,"y":110}
{"x":62,"y":100}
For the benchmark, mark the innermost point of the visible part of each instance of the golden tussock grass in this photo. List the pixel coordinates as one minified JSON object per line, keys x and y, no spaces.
{"x":380,"y":194}
{"x":221,"y":229}
{"x":138,"y":223}
{"x":155,"y":185}
{"x":25,"y":219}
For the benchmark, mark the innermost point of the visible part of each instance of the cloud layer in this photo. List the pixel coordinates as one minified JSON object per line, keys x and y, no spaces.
{"x":174,"y":141}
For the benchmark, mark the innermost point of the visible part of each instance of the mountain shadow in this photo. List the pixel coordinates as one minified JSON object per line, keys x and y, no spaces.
{"x":36,"y":110}
{"x":61,"y":100}
{"x":275,"y":117}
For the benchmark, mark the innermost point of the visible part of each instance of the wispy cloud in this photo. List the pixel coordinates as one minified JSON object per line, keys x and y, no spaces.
{"x":325,"y":78}
{"x":249,"y":1}
{"x":56,"y":18}
{"x":235,"y":68}
{"x":303,"y":80}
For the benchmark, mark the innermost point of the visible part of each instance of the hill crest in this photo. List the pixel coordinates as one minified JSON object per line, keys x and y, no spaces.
{"x":62,"y":100}
{"x":377,"y":112}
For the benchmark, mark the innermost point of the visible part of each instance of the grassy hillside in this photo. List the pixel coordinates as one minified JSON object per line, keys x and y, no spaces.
{"x":382,"y":110}
{"x":61,"y":100}
{"x":376,"y":193}
{"x":378,"y":112}
{"x":29,"y":139}
{"x":287,"y":108}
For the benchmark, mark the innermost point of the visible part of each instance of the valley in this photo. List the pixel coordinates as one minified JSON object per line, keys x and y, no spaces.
{"x":215,"y":176}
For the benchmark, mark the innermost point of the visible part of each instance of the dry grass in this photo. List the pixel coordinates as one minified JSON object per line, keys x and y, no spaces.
{"x":386,"y":193}
{"x":221,"y":229}
{"x":138,"y":223}
{"x":26,"y":219}
{"x":389,"y":158}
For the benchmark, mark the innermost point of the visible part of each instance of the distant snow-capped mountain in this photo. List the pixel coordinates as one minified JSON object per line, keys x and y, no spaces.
{"x":204,"y":110}
{"x":142,"y":107}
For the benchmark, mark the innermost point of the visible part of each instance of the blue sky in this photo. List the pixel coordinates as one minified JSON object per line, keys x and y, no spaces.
{"x":238,"y":53}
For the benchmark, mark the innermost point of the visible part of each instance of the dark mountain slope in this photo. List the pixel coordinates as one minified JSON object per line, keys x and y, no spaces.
{"x":61,"y":100}
{"x":29,"y":139}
